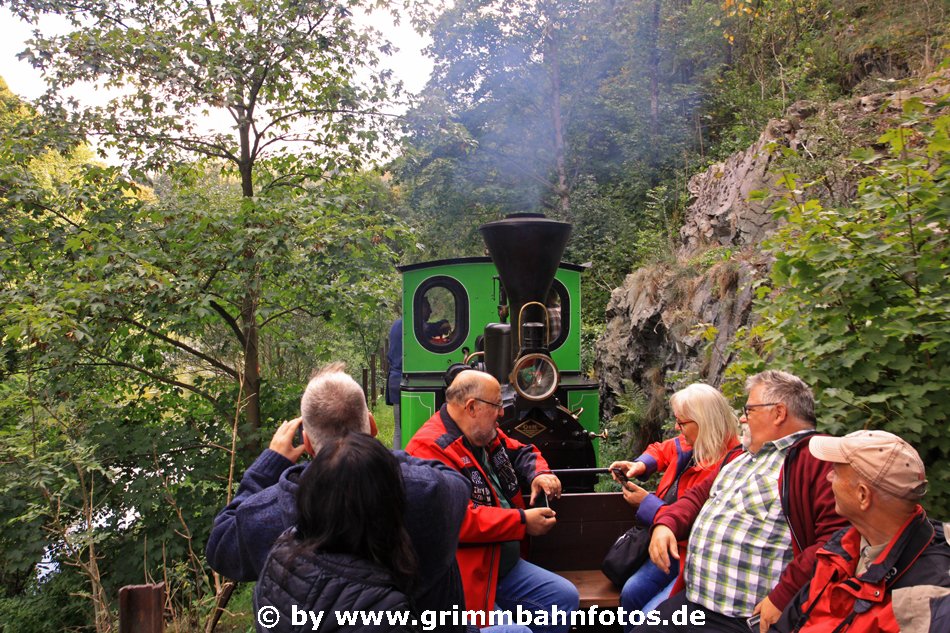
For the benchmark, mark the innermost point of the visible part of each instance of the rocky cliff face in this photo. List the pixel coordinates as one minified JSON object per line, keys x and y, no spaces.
{"x":677,"y":323}
{"x":721,"y":213}
{"x":671,"y":324}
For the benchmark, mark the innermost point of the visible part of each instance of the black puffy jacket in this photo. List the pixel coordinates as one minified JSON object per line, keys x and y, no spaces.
{"x":297,"y":580}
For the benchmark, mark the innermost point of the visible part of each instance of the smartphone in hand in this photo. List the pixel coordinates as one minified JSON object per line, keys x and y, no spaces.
{"x":621,"y":475}
{"x":541,"y":501}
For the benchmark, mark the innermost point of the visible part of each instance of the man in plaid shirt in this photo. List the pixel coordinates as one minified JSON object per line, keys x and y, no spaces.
{"x":754,"y":529}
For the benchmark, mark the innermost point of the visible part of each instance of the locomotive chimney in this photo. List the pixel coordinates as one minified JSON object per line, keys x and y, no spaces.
{"x":526,"y":249}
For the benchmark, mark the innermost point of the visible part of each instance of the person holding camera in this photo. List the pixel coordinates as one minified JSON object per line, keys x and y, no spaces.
{"x":333,"y":405}
{"x":349,"y":550}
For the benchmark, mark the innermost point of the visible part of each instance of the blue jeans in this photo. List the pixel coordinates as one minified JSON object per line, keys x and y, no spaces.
{"x":537,"y":589}
{"x":646,"y":584}
{"x":660,"y":597}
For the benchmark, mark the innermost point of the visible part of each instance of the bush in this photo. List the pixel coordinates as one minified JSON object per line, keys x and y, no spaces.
{"x":56,"y":604}
{"x":860,"y":297}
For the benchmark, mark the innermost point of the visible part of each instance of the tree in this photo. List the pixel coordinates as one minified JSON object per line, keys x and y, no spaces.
{"x":139,"y":315}
{"x":498,"y":76}
{"x":117,"y":391}
{"x":296,"y":80}
{"x":575,"y":108}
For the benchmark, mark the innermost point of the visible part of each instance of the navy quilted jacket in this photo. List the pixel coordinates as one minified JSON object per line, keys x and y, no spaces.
{"x":308,"y":580}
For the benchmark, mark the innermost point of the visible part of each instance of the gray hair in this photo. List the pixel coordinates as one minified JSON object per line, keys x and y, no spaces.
{"x":790,"y":390}
{"x":332,"y":405}
{"x":717,"y":423}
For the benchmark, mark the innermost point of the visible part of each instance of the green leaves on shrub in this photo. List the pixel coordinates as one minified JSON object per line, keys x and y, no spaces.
{"x":861,"y":298}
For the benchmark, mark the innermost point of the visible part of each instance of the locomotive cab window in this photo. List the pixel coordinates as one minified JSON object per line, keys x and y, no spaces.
{"x":440,"y":314}
{"x":559,"y":314}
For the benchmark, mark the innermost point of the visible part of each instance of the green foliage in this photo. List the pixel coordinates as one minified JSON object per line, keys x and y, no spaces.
{"x":783,"y":51}
{"x":294,"y":81}
{"x":590,"y":333}
{"x":53,"y":605}
{"x":709,"y":258}
{"x":626,"y":425}
{"x":512,"y":80}
{"x":297,"y":85}
{"x":122,"y":324}
{"x":616,"y":238}
{"x":239,"y":617}
{"x":385,"y":423}
{"x":860,"y":296}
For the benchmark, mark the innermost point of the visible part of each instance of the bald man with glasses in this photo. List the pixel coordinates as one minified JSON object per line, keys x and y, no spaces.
{"x":464,"y":435}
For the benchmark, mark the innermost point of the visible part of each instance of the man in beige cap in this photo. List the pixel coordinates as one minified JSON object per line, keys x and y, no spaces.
{"x":890,"y":571}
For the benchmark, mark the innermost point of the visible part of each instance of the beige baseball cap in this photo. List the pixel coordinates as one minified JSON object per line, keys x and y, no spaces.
{"x":885,"y":460}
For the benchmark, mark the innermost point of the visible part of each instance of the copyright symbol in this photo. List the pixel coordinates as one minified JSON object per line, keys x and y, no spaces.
{"x":268,"y":617}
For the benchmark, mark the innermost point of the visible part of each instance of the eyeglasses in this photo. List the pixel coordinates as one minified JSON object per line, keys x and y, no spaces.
{"x":683,"y":423}
{"x":500,"y":406}
{"x":755,"y":406}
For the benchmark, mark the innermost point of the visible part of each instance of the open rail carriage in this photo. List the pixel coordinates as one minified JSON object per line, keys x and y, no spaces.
{"x":454,"y":313}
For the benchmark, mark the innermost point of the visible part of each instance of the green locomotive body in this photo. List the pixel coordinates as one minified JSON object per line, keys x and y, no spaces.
{"x":452,"y":313}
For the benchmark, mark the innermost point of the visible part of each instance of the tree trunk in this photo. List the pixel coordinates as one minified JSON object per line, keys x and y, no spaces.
{"x":552,"y":61}
{"x":654,"y":65}
{"x":252,"y":371}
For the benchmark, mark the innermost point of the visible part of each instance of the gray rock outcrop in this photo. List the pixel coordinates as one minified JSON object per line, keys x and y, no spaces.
{"x":672,"y":324}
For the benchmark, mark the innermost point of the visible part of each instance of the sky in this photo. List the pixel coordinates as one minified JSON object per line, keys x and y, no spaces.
{"x":409,"y":64}
{"x":20,"y":76}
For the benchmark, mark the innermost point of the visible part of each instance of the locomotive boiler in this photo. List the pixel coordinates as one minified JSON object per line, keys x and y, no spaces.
{"x":516,"y":315}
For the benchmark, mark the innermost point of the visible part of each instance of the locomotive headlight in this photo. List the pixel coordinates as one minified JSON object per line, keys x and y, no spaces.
{"x":535,"y":376}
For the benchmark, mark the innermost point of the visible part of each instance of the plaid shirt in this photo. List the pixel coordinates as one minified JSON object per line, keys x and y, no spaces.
{"x":740,"y":542}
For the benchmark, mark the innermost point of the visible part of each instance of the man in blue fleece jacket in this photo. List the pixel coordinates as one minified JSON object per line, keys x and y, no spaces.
{"x":265,"y":504}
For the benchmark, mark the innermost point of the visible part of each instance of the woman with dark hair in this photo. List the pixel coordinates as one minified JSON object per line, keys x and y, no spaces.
{"x":349,"y":550}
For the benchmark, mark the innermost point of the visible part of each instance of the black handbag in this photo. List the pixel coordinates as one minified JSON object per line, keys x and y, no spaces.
{"x":631,"y":550}
{"x":627,"y":555}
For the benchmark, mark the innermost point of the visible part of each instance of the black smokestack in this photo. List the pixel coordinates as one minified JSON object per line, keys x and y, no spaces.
{"x":526,"y":249}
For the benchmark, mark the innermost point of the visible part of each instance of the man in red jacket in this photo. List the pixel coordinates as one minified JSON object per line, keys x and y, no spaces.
{"x":464,"y":434}
{"x":755,"y":527}
{"x":891,"y":570}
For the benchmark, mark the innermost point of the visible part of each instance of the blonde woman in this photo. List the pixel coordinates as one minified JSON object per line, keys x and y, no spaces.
{"x":708,"y":430}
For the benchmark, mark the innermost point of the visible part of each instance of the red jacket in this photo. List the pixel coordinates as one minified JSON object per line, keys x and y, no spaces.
{"x":667,"y":457}
{"x":809,"y":508}
{"x":670,"y":457}
{"x":898,"y":590}
{"x":486,"y":524}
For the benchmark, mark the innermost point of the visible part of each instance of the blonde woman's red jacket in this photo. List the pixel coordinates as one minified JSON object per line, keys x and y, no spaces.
{"x":674,"y":458}
{"x":486,"y":524}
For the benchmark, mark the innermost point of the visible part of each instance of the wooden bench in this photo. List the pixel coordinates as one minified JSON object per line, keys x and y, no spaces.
{"x":594,"y":588}
{"x":587,"y":525}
